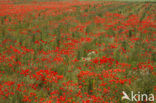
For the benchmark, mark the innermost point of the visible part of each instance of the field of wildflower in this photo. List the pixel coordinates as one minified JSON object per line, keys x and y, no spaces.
{"x":77,"y":51}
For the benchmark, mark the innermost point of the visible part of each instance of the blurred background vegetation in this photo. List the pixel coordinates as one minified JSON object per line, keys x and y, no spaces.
{"x":79,"y":0}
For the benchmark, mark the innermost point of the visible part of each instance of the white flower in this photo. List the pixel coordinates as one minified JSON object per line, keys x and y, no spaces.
{"x":91,"y":53}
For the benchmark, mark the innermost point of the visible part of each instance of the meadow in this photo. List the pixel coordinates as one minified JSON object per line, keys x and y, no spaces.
{"x":77,"y":51}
